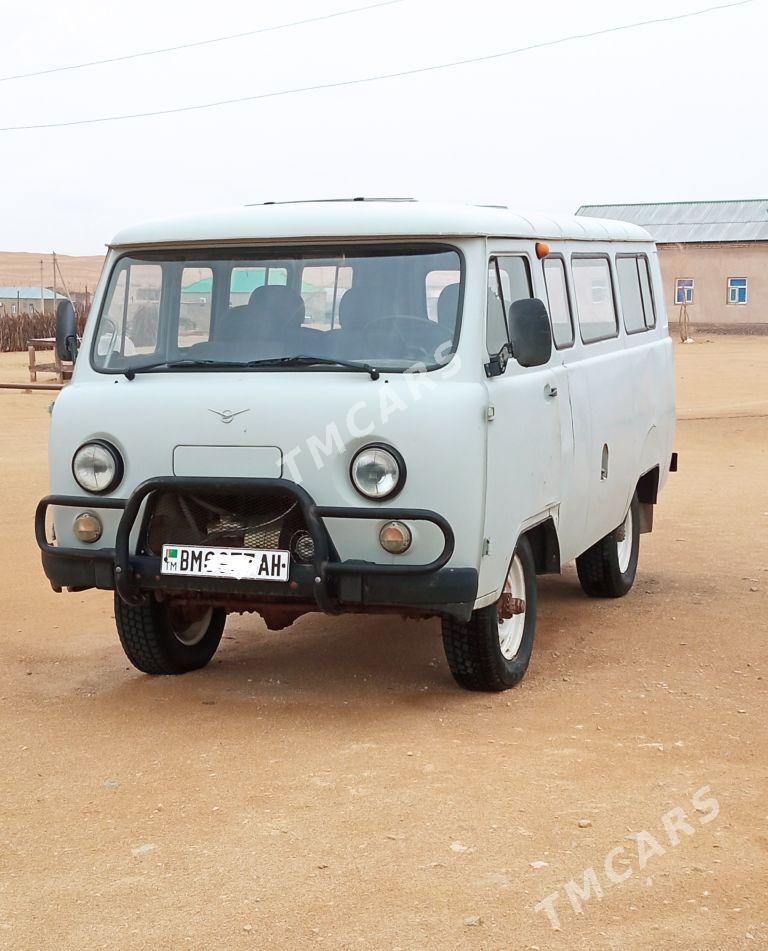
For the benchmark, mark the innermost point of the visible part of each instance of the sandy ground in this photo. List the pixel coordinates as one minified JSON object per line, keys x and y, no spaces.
{"x":329,"y":785}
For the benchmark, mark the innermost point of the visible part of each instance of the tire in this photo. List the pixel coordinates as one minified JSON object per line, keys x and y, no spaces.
{"x":608,"y":568}
{"x":474,"y":649}
{"x":159,"y":638}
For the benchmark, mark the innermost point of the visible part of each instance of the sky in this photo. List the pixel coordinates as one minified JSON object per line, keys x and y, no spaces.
{"x":664,"y":112}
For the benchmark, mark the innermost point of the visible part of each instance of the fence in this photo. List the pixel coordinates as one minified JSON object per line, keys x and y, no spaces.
{"x":17,"y":329}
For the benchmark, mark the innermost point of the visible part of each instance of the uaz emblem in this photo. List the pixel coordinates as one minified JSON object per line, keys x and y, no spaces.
{"x":227,"y":415}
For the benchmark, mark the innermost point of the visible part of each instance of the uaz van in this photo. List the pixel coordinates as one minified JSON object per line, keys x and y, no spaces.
{"x":359,"y":406}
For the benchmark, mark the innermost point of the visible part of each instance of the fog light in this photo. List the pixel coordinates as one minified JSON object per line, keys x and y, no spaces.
{"x":303,"y":546}
{"x":87,"y":527}
{"x":395,"y":537}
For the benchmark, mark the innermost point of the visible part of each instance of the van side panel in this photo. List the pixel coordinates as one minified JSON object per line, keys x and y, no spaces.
{"x":629,"y":384}
{"x":617,"y":424}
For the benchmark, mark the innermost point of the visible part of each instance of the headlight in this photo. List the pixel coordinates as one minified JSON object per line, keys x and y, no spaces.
{"x":378,"y":472}
{"x":97,"y":467}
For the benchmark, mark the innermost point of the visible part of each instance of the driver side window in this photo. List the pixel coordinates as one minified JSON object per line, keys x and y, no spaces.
{"x":509,"y":279}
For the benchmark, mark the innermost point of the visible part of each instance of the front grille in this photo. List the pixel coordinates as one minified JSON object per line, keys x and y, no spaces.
{"x":222,"y":520}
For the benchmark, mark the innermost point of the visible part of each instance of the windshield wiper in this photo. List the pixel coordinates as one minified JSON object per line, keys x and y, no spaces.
{"x":297,"y":361}
{"x":306,"y":361}
{"x":130,"y":372}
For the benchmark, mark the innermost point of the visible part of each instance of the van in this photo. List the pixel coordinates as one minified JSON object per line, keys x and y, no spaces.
{"x":363,"y":406}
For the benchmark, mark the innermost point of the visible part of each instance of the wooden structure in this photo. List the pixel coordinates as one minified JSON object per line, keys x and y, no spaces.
{"x":62,"y":369}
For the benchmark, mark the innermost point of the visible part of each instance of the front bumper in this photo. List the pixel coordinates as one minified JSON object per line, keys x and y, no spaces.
{"x":328,"y":584}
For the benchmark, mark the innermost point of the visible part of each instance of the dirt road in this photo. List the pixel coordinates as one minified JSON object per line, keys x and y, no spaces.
{"x":329,"y":786}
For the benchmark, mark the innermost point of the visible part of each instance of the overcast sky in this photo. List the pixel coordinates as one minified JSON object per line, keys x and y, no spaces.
{"x":664,"y":112}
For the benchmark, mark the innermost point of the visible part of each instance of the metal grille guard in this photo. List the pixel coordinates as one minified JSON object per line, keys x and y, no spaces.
{"x":323,"y":566}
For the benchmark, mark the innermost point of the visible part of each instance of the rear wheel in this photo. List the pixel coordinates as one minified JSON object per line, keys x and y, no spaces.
{"x":492,"y":650}
{"x":608,"y":568}
{"x":164,"y":638}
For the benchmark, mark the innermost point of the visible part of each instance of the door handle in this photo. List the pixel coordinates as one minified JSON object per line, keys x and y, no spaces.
{"x":550,"y":391}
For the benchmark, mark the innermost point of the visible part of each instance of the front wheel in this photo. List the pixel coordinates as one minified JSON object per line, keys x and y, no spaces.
{"x":608,"y":568}
{"x":492,"y":650}
{"x":164,"y":638}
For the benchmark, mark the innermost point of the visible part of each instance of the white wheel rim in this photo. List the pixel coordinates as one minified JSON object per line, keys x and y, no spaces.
{"x":511,"y":629}
{"x":624,"y":542}
{"x":191,"y":633}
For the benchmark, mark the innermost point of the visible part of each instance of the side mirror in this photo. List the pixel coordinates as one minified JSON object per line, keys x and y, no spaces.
{"x":497,"y":363}
{"x":530,"y":332}
{"x":66,"y":331}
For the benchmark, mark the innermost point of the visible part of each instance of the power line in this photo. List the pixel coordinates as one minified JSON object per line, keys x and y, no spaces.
{"x":342,"y":83}
{"x":197,"y":43}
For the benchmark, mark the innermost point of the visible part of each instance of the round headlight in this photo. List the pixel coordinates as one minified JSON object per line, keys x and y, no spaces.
{"x":378,"y":472}
{"x":97,"y":467}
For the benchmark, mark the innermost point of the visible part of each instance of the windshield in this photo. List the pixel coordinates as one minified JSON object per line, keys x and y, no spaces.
{"x":392,"y":307}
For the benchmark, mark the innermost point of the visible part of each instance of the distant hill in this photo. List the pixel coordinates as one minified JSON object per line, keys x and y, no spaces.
{"x":23,"y":268}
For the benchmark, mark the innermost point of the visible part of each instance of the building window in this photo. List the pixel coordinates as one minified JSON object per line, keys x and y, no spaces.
{"x":684,"y":290}
{"x":737,"y":290}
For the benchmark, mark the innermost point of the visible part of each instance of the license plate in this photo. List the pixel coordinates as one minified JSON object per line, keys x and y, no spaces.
{"x":251,"y":564}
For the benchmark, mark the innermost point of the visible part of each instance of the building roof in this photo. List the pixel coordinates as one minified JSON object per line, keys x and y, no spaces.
{"x":686,"y":222}
{"x":26,"y":293}
{"x":370,"y":219}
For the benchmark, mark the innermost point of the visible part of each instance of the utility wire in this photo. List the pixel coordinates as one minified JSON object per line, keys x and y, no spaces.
{"x":197,"y":43}
{"x":342,"y":83}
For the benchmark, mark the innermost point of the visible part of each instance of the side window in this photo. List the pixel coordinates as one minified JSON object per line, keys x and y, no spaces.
{"x":195,"y":306}
{"x":559,"y":301}
{"x":509,"y":279}
{"x":630,"y":294}
{"x":495,"y":321}
{"x":635,"y":292}
{"x":593,"y":288}
{"x":515,"y":278}
{"x":646,"y":290}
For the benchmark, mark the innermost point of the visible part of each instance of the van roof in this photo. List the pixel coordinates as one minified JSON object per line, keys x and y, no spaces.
{"x":371,"y":218}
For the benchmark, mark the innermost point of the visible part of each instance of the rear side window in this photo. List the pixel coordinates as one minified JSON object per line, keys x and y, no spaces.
{"x":509,"y":279}
{"x":593,"y":288}
{"x":645,"y":289}
{"x":559,"y":301}
{"x":635,"y":293}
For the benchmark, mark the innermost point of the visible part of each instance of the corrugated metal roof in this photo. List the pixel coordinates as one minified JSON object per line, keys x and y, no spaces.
{"x":26,"y":293}
{"x":685,"y":222}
